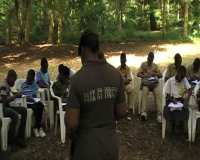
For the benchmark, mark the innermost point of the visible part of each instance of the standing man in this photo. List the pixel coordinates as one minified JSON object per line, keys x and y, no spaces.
{"x":128,"y":81}
{"x":150,"y":74}
{"x":96,"y":101}
{"x":42,"y":76}
{"x":172,"y":68}
{"x":6,"y":96}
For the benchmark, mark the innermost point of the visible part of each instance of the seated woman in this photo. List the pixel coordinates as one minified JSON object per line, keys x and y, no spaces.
{"x":60,"y":87}
{"x":29,"y":88}
{"x":177,"y":90}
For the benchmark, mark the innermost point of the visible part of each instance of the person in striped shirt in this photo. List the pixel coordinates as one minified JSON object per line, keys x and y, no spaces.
{"x":29,"y":88}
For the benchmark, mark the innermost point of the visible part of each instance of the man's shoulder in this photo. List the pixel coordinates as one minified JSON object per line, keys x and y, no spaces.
{"x":144,"y":64}
{"x":171,"y":79}
{"x":171,"y":66}
{"x":3,"y":85}
{"x":154,"y":64}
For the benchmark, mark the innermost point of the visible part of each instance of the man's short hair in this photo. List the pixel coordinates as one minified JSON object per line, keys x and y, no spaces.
{"x":182,"y":69}
{"x":43,"y":61}
{"x":12,"y":73}
{"x":66,"y":71}
{"x":151,"y":54}
{"x":31,"y":72}
{"x":90,"y":40}
{"x":177,"y":55}
{"x":60,"y":68}
{"x":123,"y":55}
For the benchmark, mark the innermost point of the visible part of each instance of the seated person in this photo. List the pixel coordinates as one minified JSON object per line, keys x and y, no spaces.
{"x":177,"y":89}
{"x":60,"y":87}
{"x":6,"y":96}
{"x":29,"y":88}
{"x":172,"y":68}
{"x":128,"y":80}
{"x":42,"y":77}
{"x":193,"y":71}
{"x":60,"y":67}
{"x":197,"y":95}
{"x":150,"y":74}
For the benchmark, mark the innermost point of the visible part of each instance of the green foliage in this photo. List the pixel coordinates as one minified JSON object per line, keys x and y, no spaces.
{"x":114,"y":20}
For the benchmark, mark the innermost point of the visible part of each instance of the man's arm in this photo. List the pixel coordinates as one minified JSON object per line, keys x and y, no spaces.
{"x":73,"y":114}
{"x":72,"y":119}
{"x":141,"y":73}
{"x":7,"y":99}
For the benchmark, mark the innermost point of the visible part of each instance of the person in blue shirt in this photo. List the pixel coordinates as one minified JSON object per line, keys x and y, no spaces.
{"x":42,"y":76}
{"x":29,"y":88}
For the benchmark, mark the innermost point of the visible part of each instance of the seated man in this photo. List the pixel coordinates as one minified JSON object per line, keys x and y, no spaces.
{"x":150,"y":74}
{"x":29,"y":88}
{"x":42,"y":76}
{"x":172,"y":68}
{"x":128,"y":80}
{"x":193,"y":71}
{"x":177,"y":90}
{"x":6,"y":96}
{"x":60,"y":87}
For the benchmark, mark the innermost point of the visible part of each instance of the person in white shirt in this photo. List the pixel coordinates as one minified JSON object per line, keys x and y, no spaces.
{"x":177,"y":90}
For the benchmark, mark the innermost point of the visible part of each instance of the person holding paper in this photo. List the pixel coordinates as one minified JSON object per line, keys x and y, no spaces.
{"x":29,"y":88}
{"x":6,"y":96}
{"x":177,"y":90}
{"x":150,"y":74}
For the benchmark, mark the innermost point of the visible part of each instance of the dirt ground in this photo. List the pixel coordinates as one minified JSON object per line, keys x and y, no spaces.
{"x":138,"y":140}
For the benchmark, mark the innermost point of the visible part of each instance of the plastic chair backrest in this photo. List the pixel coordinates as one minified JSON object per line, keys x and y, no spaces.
{"x":54,"y":96}
{"x":1,"y":110}
{"x":18,"y":84}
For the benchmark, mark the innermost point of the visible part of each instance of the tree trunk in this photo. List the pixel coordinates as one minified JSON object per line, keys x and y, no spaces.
{"x":119,"y":14}
{"x":51,"y":26}
{"x":59,"y":33}
{"x":28,"y":21}
{"x":186,"y":19}
{"x":178,"y":12}
{"x":163,"y":11}
{"x":9,"y":28}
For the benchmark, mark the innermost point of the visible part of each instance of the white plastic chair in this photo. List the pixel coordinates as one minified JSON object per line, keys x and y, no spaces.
{"x":23,"y":103}
{"x":140,"y":92}
{"x":195,"y":112}
{"x":61,"y":114}
{"x":46,"y":99}
{"x":4,"y":129}
{"x":164,"y":122}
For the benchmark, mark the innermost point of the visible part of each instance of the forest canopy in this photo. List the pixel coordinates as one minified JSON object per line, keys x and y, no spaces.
{"x":58,"y":21}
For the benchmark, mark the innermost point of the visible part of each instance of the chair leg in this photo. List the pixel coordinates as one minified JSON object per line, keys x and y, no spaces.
{"x":190,"y":128}
{"x":194,"y":123}
{"x":56,"y":123}
{"x":139,"y":101}
{"x":62,"y":126}
{"x":29,"y":123}
{"x":51,"y":113}
{"x":4,"y":133}
{"x":163,"y":128}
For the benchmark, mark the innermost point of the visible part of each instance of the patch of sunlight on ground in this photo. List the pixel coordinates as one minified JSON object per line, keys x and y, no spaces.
{"x":163,"y":58}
